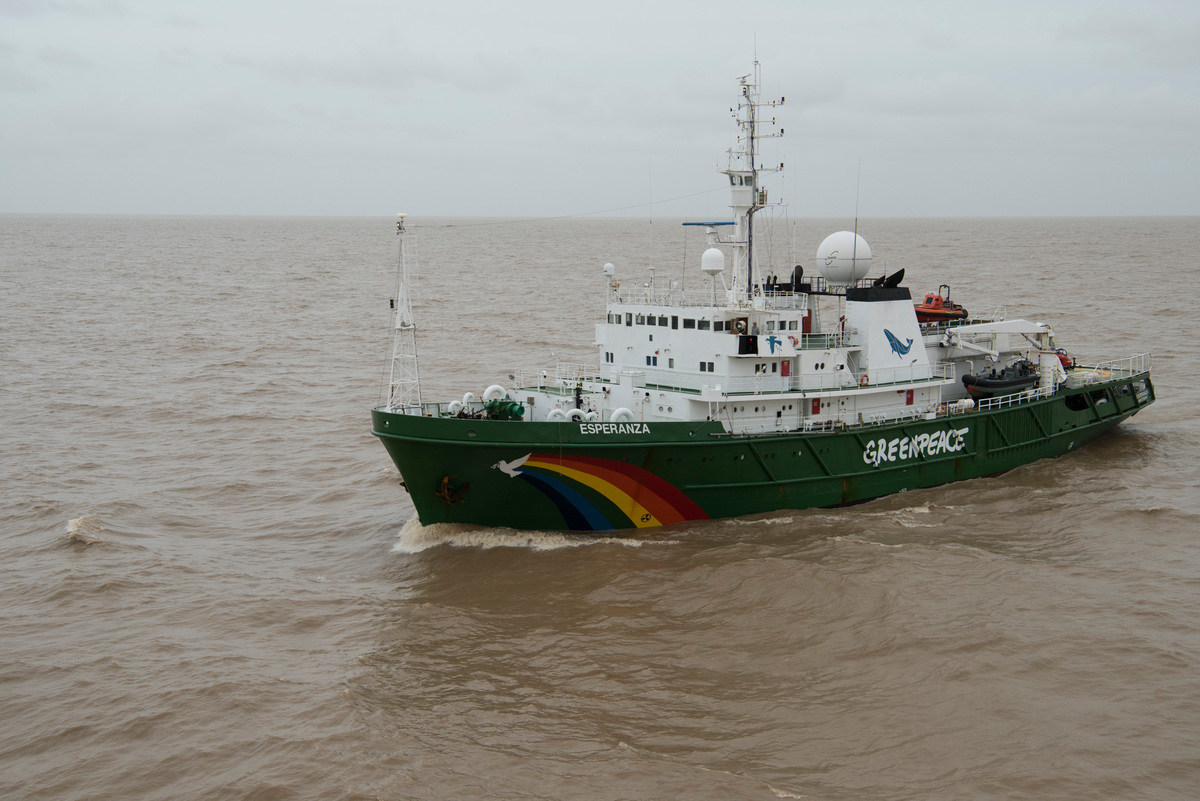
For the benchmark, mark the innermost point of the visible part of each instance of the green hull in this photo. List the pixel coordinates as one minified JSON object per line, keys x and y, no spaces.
{"x":596,"y":477}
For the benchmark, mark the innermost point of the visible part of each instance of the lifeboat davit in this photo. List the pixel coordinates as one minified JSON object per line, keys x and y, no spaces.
{"x":937,"y":308}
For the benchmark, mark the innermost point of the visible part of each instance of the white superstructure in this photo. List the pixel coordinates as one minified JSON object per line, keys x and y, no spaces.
{"x":765,"y":350}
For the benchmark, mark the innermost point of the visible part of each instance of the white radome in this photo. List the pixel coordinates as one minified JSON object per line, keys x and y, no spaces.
{"x":712,"y":261}
{"x":844,"y":258}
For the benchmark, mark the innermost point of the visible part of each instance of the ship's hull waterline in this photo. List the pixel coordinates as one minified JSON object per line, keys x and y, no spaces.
{"x":610,"y":476}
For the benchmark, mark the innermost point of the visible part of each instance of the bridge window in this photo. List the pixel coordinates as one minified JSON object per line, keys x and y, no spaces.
{"x":662,"y":321}
{"x":641,"y":319}
{"x":628,"y":318}
{"x":651,"y":320}
{"x":703,"y":325}
{"x":689,"y":323}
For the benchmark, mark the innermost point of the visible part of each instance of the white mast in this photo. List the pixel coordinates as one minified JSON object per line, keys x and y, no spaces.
{"x":404,"y":386}
{"x":746,"y":196}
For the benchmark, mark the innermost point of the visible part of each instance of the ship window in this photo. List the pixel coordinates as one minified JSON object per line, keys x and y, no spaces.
{"x":774,"y":367}
{"x":610,"y":317}
{"x":628,"y":318}
{"x":652,"y":320}
{"x":793,"y":325}
{"x":770,"y":325}
{"x":710,"y":367}
{"x":641,"y":319}
{"x":671,"y":363}
{"x":689,"y":323}
{"x":703,"y":369}
{"x":718,"y":325}
{"x":662,"y":321}
{"x":654,"y":361}
{"x":703,"y":325}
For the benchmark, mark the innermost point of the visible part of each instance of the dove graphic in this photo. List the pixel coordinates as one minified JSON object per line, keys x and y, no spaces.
{"x":510,"y":468}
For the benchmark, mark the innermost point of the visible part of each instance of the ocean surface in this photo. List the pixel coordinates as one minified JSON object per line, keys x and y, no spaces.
{"x":212,"y":585}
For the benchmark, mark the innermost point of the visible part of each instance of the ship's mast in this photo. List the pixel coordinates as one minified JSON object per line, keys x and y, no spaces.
{"x":404,"y":386}
{"x":743,"y":172}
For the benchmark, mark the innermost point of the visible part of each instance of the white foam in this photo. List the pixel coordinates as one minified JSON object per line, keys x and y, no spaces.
{"x":415,"y":538}
{"x":85,"y":529}
{"x":758,"y":521}
{"x":860,"y":541}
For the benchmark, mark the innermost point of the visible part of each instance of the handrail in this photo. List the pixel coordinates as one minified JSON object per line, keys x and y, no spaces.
{"x":1001,"y":401}
{"x":1139,"y":363}
{"x":715,"y":299}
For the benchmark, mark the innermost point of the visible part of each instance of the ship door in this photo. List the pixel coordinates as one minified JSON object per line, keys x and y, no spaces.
{"x":785,"y":368}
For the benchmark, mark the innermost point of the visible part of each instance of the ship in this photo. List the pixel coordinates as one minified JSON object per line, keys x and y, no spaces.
{"x":750,"y":395}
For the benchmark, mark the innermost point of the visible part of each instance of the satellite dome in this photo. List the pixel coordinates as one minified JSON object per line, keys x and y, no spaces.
{"x":712,"y":261}
{"x":844,"y":258}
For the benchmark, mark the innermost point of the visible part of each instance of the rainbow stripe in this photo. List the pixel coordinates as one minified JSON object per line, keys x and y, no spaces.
{"x":636,"y":498}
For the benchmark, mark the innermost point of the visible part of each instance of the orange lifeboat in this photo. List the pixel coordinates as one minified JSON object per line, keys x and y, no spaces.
{"x":937,"y":308}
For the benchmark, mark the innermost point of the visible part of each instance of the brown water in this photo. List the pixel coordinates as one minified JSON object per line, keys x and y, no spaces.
{"x":211,"y":585}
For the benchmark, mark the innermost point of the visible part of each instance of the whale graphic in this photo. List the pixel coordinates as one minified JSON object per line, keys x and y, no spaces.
{"x":897,"y":348}
{"x":773,"y":341}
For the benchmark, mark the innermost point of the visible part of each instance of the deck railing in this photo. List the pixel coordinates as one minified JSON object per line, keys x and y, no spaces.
{"x":1001,"y":401}
{"x":706,"y":298}
{"x":1124,"y":367}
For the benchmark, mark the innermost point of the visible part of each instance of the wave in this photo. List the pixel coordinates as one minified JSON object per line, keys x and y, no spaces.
{"x":414,"y":538}
{"x":86,"y":530}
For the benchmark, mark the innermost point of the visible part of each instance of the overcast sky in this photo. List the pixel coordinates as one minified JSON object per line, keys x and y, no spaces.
{"x":355,"y":107}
